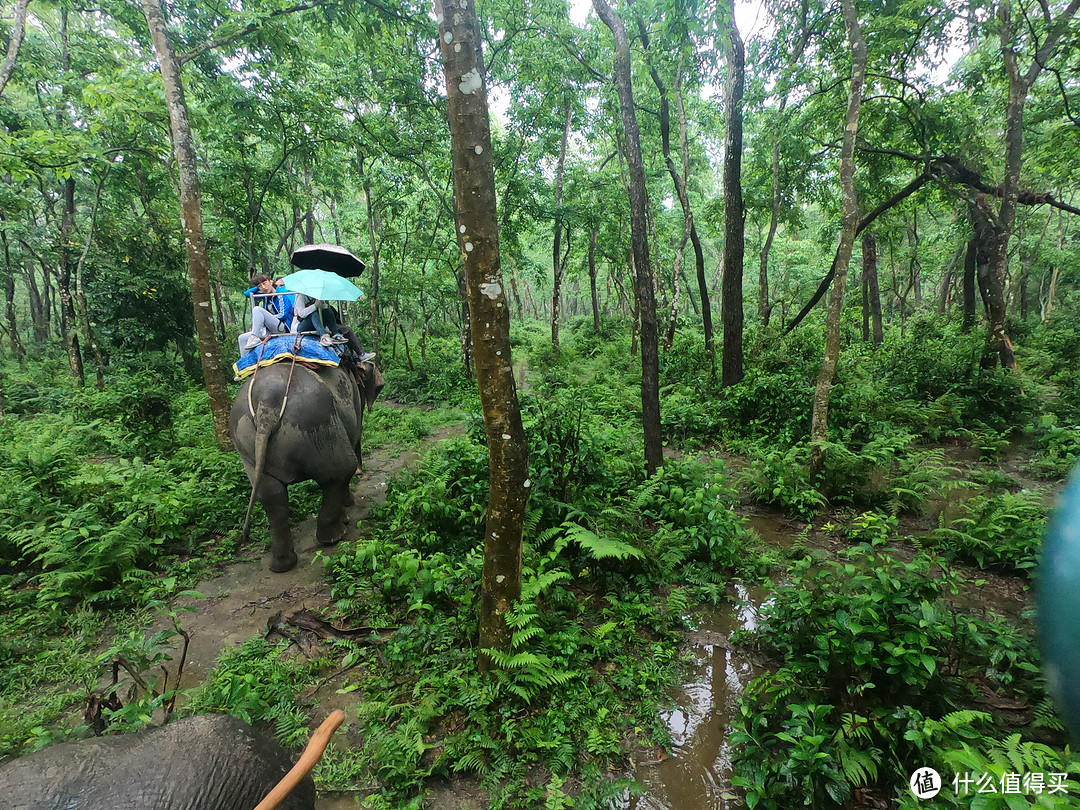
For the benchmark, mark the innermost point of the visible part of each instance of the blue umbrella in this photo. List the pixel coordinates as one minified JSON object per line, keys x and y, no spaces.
{"x":323,"y":285}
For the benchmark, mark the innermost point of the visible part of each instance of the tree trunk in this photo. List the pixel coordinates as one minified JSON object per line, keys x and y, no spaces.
{"x":592,"y":279}
{"x":39,"y":305}
{"x":998,"y":226}
{"x":643,"y":283}
{"x":820,"y":427}
{"x":309,"y":215}
{"x":18,"y":29}
{"x":679,"y":180}
{"x":734,"y":212}
{"x":68,"y":329}
{"x":968,"y":285}
{"x":191,"y":221}
{"x":478,"y":241}
{"x":676,"y":272}
{"x":558,"y":263}
{"x":873,"y":292}
{"x":17,"y":350}
{"x":764,"y":306}
{"x":990,"y":239}
{"x":1048,"y":307}
{"x":373,"y":271}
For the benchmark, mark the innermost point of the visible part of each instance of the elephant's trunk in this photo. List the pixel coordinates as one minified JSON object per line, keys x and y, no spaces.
{"x":266,"y":423}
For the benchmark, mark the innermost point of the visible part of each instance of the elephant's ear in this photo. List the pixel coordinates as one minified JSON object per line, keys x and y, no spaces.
{"x":373,"y":382}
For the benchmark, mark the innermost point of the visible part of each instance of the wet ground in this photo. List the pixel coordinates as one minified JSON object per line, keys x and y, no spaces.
{"x":697,"y":772}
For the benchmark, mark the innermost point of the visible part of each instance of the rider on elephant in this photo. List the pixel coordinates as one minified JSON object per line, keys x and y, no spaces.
{"x":313,"y":315}
{"x":273,"y":315}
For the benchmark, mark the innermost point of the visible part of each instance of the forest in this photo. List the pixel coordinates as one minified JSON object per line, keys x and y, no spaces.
{"x":732,"y":364}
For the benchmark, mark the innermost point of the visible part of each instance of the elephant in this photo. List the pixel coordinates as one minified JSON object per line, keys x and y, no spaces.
{"x":291,"y":423}
{"x":205,"y":762}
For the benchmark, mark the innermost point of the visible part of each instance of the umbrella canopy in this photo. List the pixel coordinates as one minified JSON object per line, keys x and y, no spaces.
{"x":324,"y":256}
{"x":322,"y":285}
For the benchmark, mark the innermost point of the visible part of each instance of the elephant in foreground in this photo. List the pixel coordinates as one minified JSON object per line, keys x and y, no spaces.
{"x":293,"y":423}
{"x":206,"y":762}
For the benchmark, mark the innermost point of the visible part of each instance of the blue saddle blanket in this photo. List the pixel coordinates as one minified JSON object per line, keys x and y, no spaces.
{"x":285,"y":347}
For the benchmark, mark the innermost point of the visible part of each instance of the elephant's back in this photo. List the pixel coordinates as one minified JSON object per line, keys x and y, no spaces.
{"x":206,"y":762}
{"x":315,"y":417}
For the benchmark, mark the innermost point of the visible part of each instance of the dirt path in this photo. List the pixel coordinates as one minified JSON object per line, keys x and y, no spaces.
{"x":243,"y":597}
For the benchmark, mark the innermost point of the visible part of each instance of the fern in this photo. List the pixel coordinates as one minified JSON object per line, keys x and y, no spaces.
{"x":599,"y":548}
{"x":647,"y":493}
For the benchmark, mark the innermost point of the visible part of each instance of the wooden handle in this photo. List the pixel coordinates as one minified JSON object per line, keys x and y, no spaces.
{"x":315,"y":747}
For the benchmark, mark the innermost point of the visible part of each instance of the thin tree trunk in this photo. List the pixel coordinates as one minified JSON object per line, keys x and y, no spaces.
{"x":17,"y":350}
{"x":478,"y":241}
{"x":18,"y":30}
{"x":68,"y":330}
{"x":676,"y":272}
{"x":864,"y":284}
{"x":968,"y":320}
{"x":873,"y":292}
{"x":558,"y":264}
{"x":593,"y":236}
{"x":376,"y":251}
{"x":679,"y":180}
{"x":38,"y":305}
{"x":764,"y":306}
{"x":1049,"y":306}
{"x":191,"y":221}
{"x":66,"y":233}
{"x":650,"y":355}
{"x":820,"y":427}
{"x":734,"y":213}
{"x":82,"y":308}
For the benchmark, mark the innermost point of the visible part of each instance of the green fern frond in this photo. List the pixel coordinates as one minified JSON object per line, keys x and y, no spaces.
{"x":600,"y":548}
{"x":644,"y":496}
{"x":859,"y":767}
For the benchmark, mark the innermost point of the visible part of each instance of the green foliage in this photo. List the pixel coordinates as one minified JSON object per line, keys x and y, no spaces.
{"x":91,"y":526}
{"x":256,"y":681}
{"x":445,"y":499}
{"x":441,"y":379}
{"x":1058,"y":448}
{"x":871,"y":662}
{"x":997,"y":531}
{"x":782,"y":477}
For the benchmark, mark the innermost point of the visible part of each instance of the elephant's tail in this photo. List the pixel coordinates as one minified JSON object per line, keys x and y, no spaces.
{"x":266,"y":424}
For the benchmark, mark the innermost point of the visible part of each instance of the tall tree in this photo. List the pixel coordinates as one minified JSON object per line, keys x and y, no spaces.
{"x":639,"y":240}
{"x":993,"y":228}
{"x":820,"y":425}
{"x":191,"y":221}
{"x":558,"y":261}
{"x":680,"y":180}
{"x":478,"y":242}
{"x":731,"y":291}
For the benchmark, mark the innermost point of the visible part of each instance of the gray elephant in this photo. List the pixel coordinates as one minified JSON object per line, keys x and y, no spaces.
{"x":293,"y":423}
{"x":206,"y":762}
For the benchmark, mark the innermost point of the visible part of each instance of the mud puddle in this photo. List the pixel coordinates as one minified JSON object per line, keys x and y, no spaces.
{"x":696,"y":775}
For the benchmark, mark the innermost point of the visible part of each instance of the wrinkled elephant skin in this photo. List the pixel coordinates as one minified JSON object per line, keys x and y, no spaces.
{"x":206,"y":762}
{"x":298,"y":424}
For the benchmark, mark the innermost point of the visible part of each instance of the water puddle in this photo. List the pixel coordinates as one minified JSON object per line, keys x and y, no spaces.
{"x":696,"y":775}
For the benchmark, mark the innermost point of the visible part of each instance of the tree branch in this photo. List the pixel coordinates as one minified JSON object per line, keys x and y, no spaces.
{"x":251,"y":27}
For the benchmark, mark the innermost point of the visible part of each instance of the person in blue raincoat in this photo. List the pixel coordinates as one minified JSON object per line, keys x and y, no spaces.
{"x":269,"y":316}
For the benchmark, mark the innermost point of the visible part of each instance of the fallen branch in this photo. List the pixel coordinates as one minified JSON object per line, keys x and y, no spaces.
{"x":315,"y":747}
